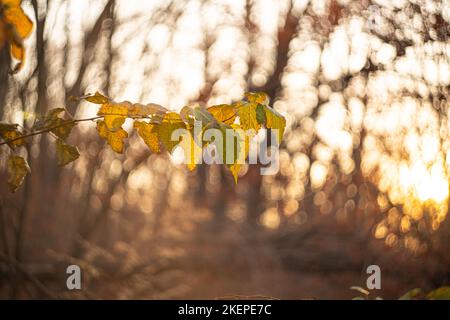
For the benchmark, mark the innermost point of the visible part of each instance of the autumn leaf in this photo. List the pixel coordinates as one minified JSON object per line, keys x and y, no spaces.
{"x":171,"y":122}
{"x":241,"y":149}
{"x":14,"y":15}
{"x":187,"y":115}
{"x":192,"y":150}
{"x":17,"y":170}
{"x":157,"y":130}
{"x":65,"y":153}
{"x":257,"y":97}
{"x":235,"y":147}
{"x":97,"y":98}
{"x":10,"y":132}
{"x":114,"y":114}
{"x":274,"y":120}
{"x":152,"y":109}
{"x":223,"y":112}
{"x":114,"y":138}
{"x":203,"y":115}
{"x":247,"y":115}
{"x":57,"y":125}
{"x":16,"y":26}
{"x":149,"y":134}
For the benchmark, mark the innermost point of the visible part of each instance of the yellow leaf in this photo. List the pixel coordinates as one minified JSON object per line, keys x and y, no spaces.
{"x":97,"y":98}
{"x":192,"y":151}
{"x":65,"y":153}
{"x":17,"y":50}
{"x":235,"y":169}
{"x":18,"y":27}
{"x":10,"y":132}
{"x":247,"y":115}
{"x":223,"y":112}
{"x":148,"y":133}
{"x":151,"y":109}
{"x":241,"y":149}
{"x":171,"y":122}
{"x":17,"y":170}
{"x":274,"y":120}
{"x":257,"y":97}
{"x":16,"y":17}
{"x":114,"y":114}
{"x":114,"y":138}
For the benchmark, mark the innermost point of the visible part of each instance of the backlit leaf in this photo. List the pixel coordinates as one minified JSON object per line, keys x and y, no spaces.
{"x":274,"y":120}
{"x":114,"y":138}
{"x":192,"y":151}
{"x":154,"y":110}
{"x":203,"y":115}
{"x":247,"y":115}
{"x":97,"y":98}
{"x":149,"y":134}
{"x":223,"y":113}
{"x":114,"y":114}
{"x":257,"y":97}
{"x":171,"y":122}
{"x":242,"y":149}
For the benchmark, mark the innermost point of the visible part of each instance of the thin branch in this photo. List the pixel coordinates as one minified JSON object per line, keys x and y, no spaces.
{"x":74,"y":121}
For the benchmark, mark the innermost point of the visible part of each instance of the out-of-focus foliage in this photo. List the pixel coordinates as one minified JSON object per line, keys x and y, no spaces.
{"x":442,"y":293}
{"x":15,"y":26}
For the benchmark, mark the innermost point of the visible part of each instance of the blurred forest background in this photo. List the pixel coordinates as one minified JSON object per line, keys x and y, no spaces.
{"x":364,"y":164}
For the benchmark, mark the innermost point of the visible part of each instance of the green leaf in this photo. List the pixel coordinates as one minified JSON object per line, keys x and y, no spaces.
{"x":260,"y":114}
